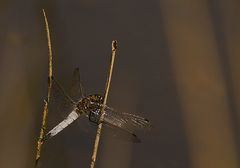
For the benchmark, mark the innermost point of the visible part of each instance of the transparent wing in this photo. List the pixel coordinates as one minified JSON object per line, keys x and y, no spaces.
{"x":60,"y":102}
{"x":76,"y":90}
{"x":63,"y":102}
{"x":123,"y":125}
{"x":62,"y":110}
{"x":120,"y":133}
{"x":126,"y":121}
{"x":60,"y":99}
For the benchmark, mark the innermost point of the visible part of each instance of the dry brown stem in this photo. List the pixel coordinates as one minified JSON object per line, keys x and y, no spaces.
{"x":46,"y":102}
{"x":99,"y":129}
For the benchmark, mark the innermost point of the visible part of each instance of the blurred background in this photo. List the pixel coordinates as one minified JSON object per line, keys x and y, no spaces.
{"x":177,"y":64}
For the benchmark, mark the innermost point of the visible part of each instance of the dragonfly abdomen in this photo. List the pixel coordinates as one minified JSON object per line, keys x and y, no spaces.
{"x":70,"y":118}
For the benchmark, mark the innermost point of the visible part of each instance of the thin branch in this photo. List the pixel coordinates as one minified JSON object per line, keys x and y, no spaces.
{"x":46,"y":102}
{"x":98,"y":133}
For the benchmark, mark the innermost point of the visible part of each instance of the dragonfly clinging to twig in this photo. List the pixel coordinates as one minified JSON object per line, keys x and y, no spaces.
{"x":90,"y":106}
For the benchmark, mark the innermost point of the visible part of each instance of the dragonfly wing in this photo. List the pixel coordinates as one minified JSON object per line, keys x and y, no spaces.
{"x":60,"y":100}
{"x":121,"y":134}
{"x":123,"y":125}
{"x":76,"y":90}
{"x":60,"y":104}
{"x":126,"y":121}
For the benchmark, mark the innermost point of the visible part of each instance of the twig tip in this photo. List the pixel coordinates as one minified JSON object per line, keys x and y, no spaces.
{"x":114,"y":44}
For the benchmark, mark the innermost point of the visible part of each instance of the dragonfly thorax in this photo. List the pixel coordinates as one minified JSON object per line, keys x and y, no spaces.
{"x":91,"y":105}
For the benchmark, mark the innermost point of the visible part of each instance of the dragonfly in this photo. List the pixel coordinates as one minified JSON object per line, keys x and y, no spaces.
{"x":90,"y":106}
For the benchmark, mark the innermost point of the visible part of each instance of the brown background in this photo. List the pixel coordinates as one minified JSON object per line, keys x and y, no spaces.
{"x":177,"y":63}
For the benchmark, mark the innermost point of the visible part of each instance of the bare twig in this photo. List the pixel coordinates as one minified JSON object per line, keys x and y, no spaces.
{"x":98,"y":133}
{"x":46,"y":102}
